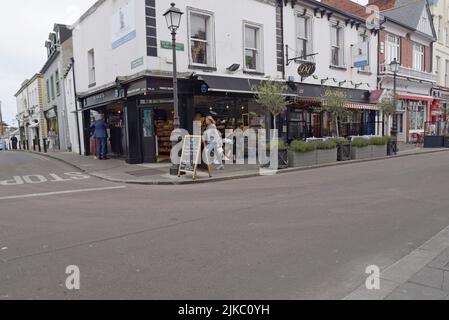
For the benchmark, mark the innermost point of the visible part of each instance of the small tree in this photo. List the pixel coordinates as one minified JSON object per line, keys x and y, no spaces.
{"x":388,"y":106}
{"x":334,"y":103}
{"x":270,"y":94}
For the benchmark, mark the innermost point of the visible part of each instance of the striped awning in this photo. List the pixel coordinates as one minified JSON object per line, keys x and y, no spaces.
{"x":362,"y":106}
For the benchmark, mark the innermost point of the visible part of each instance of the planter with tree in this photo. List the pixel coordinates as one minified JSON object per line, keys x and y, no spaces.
{"x":271,"y":95}
{"x":334,"y":103}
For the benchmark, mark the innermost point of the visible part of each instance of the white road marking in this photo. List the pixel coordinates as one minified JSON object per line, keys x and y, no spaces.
{"x":35,"y":195}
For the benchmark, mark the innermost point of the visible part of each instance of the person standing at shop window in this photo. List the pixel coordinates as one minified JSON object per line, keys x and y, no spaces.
{"x":214,"y":143}
{"x":52,"y":139}
{"x":93,"y":140}
{"x":100,"y":135}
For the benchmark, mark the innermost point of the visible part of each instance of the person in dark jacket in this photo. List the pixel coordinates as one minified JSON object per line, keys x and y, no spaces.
{"x":14,"y":142}
{"x":100,"y":134}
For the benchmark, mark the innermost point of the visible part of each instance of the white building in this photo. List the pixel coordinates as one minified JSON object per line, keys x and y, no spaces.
{"x":123,"y":68}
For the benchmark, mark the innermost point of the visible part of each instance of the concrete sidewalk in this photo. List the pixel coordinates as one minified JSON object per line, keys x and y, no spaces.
{"x":422,"y":275}
{"x":117,"y":170}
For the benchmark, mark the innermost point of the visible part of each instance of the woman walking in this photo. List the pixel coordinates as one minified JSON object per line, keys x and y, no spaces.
{"x":214,"y":143}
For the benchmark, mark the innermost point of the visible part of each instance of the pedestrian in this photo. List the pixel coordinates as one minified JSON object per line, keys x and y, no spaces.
{"x":93,"y":140}
{"x":14,"y":142}
{"x":100,"y":134}
{"x":214,"y":143}
{"x":52,"y":139}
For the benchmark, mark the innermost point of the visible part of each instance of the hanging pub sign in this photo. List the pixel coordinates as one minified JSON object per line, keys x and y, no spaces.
{"x":191,"y":156}
{"x":306,"y":69}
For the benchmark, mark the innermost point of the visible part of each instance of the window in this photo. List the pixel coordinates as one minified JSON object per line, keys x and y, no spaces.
{"x":437,"y":64}
{"x":393,"y":48}
{"x":417,"y":115}
{"x":91,"y":66}
{"x":201,"y":41}
{"x":303,"y":36}
{"x":418,"y":57}
{"x":252,"y":47}
{"x":48,"y":90}
{"x":440,"y":29}
{"x":446,"y":36}
{"x":58,"y":88}
{"x":337,"y":46}
{"x":52,"y":87}
{"x":446,"y":73}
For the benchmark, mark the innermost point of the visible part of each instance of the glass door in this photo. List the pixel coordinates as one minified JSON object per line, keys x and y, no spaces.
{"x":148,"y":137}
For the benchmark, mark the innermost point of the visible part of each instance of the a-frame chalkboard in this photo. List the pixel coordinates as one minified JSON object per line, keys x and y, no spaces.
{"x":191,"y":156}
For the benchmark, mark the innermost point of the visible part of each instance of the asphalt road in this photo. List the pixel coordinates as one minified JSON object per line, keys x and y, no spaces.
{"x":305,"y":235}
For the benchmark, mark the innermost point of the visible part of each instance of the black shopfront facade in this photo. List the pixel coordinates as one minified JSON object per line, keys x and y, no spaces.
{"x":140,"y":112}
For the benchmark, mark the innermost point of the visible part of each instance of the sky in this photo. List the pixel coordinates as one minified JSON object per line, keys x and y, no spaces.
{"x":24,"y":28}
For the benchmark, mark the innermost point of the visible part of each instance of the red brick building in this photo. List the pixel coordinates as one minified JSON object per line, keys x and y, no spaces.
{"x":407,"y":36}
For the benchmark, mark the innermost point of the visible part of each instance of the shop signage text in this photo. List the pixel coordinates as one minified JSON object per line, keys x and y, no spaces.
{"x":306,"y":69}
{"x":168,"y":45}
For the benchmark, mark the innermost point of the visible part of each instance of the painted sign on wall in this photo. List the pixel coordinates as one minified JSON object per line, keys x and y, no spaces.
{"x":123,"y":25}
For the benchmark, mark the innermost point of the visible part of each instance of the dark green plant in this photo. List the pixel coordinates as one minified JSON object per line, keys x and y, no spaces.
{"x":326,"y":145}
{"x":302,"y":146}
{"x":360,"y":142}
{"x":339,"y":140}
{"x":378,"y":141}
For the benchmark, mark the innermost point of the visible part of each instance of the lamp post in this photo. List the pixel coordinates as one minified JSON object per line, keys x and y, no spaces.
{"x":394,"y":67}
{"x":173,"y":18}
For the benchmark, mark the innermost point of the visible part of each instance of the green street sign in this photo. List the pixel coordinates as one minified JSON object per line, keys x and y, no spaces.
{"x":168,"y":45}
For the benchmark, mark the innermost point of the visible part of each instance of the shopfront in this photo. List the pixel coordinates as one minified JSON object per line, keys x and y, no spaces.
{"x":51,"y":116}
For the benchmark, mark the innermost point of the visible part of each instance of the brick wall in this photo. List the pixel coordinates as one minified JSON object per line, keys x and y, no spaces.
{"x":382,"y":4}
{"x":348,"y":6}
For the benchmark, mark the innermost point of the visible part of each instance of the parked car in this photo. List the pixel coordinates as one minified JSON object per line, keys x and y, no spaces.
{"x":2,"y":145}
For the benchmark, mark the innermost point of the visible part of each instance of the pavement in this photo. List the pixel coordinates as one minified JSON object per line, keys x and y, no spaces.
{"x":303,"y":235}
{"x":117,"y":170}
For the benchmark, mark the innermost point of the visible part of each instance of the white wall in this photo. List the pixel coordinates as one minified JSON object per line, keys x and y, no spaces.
{"x":72,"y":114}
{"x":321,"y":44}
{"x":94,"y":33}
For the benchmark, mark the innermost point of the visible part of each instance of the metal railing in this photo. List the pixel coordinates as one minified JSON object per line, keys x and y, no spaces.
{"x":409,"y":73}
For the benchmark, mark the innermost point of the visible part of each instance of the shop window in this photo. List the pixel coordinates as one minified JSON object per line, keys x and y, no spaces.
{"x":363,"y":37}
{"x":417,"y":115}
{"x":253,"y":45}
{"x":52,"y":87}
{"x":201,"y":38}
{"x":48,"y":90}
{"x":337,"y":46}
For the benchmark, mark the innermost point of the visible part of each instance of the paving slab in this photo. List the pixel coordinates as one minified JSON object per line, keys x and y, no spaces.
{"x":411,"y":291}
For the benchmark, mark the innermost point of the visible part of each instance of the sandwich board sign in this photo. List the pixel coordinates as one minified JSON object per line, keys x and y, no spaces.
{"x":191,"y":156}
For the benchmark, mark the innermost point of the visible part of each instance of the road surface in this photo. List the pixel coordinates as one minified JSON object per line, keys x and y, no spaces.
{"x":304,"y":235}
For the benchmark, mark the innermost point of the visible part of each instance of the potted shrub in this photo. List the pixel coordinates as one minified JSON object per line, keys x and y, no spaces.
{"x":326,"y":152}
{"x":360,"y":149}
{"x":302,"y":154}
{"x":378,"y":146}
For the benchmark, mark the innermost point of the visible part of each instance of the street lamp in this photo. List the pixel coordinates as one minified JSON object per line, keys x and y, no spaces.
{"x":394,"y":67}
{"x":173,"y":18}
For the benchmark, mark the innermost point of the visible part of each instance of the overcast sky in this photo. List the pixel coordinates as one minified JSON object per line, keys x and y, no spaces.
{"x":25,"y":25}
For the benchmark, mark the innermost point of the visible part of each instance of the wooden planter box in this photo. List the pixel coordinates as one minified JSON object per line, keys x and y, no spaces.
{"x":311,"y":158}
{"x":361,"y":153}
{"x":433,"y":142}
{"x":326,"y":156}
{"x":379,"y":151}
{"x":302,"y":159}
{"x":446,"y":142}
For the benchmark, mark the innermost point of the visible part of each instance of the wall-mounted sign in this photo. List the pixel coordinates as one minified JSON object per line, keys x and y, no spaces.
{"x":168,"y":45}
{"x":360,"y":55}
{"x":123,"y":25}
{"x":306,"y":69}
{"x":137,"y":63}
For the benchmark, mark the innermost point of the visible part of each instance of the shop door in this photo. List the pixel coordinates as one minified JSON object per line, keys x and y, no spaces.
{"x":148,"y":137}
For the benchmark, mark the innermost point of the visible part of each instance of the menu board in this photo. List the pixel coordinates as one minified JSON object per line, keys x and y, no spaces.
{"x":191,"y":155}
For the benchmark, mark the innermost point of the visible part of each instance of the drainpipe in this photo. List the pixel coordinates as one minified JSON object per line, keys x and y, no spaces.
{"x":76,"y":107}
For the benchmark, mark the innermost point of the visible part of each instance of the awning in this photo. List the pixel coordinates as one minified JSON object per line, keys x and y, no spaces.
{"x":231,"y":84}
{"x":362,"y":106}
{"x":34,"y":125}
{"x":416,"y":97}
